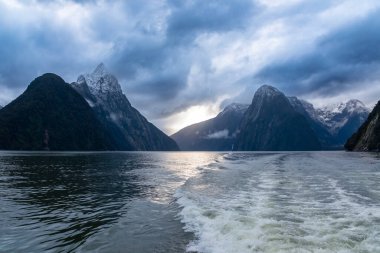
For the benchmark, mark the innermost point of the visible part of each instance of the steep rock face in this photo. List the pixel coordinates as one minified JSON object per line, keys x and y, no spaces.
{"x":127,"y":127}
{"x":216,"y":134}
{"x":307,"y":110}
{"x":50,"y":114}
{"x":271,"y":123}
{"x":367,"y":138}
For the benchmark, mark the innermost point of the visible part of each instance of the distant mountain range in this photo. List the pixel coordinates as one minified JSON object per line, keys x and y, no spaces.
{"x":94,"y":114}
{"x":333,"y":124}
{"x":216,"y":134}
{"x":367,"y":138}
{"x":91,"y":114}
{"x":254,"y":127}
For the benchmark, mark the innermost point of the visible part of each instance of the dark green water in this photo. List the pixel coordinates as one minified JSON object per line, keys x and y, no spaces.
{"x":86,"y":202}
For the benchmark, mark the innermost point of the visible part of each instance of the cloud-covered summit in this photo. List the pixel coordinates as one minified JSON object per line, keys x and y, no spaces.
{"x":177,"y":58}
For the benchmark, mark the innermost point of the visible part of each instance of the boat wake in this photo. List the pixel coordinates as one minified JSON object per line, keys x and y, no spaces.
{"x":283,"y":202}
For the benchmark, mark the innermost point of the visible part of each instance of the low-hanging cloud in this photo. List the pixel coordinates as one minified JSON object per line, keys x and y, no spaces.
{"x":223,"y":134}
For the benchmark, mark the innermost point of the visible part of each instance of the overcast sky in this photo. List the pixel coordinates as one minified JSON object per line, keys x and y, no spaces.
{"x":181,"y":61}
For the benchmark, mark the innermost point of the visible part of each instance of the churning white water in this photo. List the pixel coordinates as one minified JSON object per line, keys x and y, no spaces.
{"x":284,"y":202}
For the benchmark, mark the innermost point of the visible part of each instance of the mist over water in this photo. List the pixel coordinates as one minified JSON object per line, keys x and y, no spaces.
{"x":194,"y":201}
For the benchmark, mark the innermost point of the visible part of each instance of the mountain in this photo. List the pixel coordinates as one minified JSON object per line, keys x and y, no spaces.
{"x":343,"y":119}
{"x":50,"y":114}
{"x":126,"y":126}
{"x":271,"y":123}
{"x":307,"y":110}
{"x":216,"y":134}
{"x":367,"y":138}
{"x":333,"y":124}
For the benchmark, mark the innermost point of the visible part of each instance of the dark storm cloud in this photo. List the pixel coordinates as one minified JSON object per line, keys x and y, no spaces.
{"x":161,"y":86}
{"x":30,"y":49}
{"x":175,"y":54}
{"x":189,"y":17}
{"x":341,"y":59}
{"x":168,"y":57}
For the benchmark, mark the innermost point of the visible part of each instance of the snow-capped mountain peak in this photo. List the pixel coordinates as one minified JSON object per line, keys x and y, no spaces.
{"x":356,"y":105}
{"x":100,"y":70}
{"x":335,"y":116}
{"x":349,"y":107}
{"x":100,"y":81}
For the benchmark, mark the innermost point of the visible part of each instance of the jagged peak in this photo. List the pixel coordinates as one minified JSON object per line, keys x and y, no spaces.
{"x":81,"y":79}
{"x":100,"y":81}
{"x":100,"y":70}
{"x":351,"y":105}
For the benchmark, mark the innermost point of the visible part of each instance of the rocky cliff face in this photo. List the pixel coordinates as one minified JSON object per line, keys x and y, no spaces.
{"x":127,"y":127}
{"x":367,"y":138}
{"x":216,"y":134}
{"x":272,"y":123}
{"x":50,"y":114}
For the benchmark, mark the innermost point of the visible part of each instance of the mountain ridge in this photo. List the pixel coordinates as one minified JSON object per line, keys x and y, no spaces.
{"x":128,"y":128}
{"x":50,"y":114}
{"x":328,"y":139}
{"x":272,"y":124}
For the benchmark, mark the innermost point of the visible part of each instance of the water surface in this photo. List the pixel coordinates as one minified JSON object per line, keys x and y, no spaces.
{"x":194,"y":201}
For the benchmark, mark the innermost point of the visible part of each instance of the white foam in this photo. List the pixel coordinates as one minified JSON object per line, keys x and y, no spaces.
{"x":277,"y":203}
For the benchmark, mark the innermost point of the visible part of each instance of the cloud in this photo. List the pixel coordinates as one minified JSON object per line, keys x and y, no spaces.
{"x":223,"y":134}
{"x":172,"y":56}
{"x":189,"y":18}
{"x":344,"y":59}
{"x":160,"y":59}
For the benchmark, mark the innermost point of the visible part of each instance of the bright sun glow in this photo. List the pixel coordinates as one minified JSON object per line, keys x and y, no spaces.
{"x":192,"y":115}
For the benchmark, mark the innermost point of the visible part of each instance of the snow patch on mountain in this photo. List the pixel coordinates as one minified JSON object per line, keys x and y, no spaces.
{"x":332,"y":117}
{"x":335,"y":116}
{"x":100,"y":81}
{"x":235,"y":107}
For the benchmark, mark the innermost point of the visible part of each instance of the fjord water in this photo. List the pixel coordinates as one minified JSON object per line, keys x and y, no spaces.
{"x":195,"y":201}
